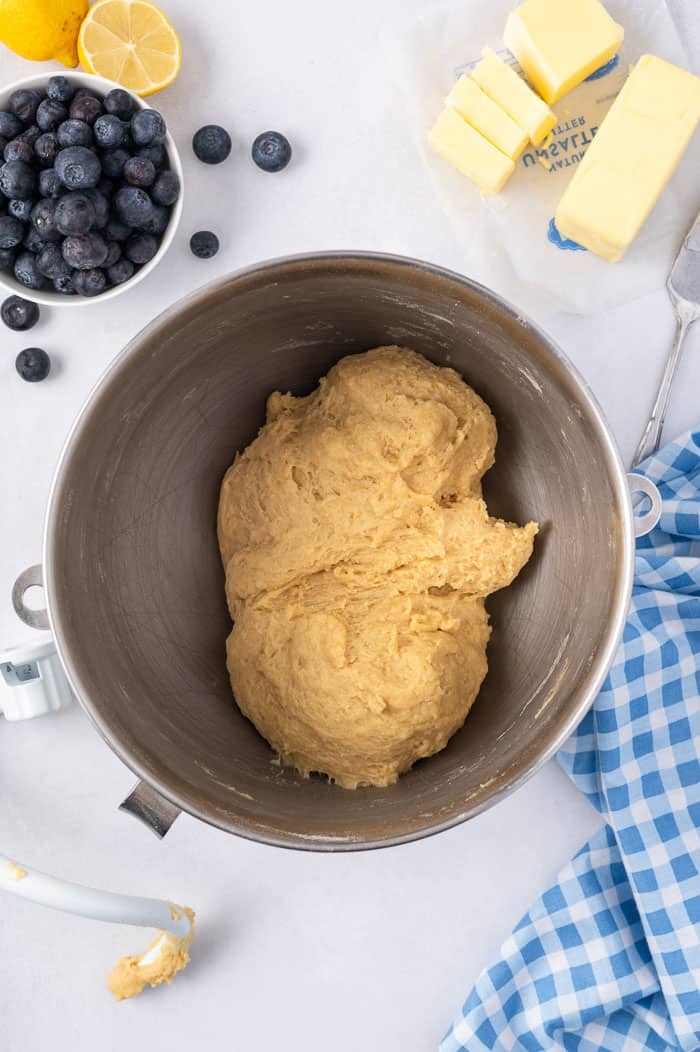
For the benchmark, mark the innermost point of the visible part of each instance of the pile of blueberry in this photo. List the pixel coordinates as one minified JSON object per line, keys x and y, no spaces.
{"x":85,"y":188}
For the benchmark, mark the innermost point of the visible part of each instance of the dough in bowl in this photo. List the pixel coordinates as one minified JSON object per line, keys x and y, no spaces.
{"x":358,"y":552}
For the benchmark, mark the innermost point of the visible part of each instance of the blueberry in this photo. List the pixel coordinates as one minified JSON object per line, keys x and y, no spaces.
{"x":113,"y":254}
{"x":43,"y":220}
{"x":33,"y":241}
{"x":64,"y":284}
{"x":140,"y":248}
{"x":121,"y":271}
{"x":84,"y":251}
{"x":74,"y":133}
{"x":100,"y":202}
{"x":26,"y":271}
{"x":50,"y":114}
{"x":17,"y":150}
{"x":49,"y":183}
{"x":211,"y":144}
{"x":78,"y":167}
{"x":24,"y":103}
{"x":33,"y":364}
{"x":155,"y":153}
{"x":139,"y":171}
{"x":7,"y":258}
{"x":3,"y":143}
{"x":106,"y":187}
{"x":11,"y":232}
{"x":133,"y":205}
{"x":204,"y":244}
{"x":46,"y":148}
{"x":17,"y":179}
{"x":158,"y":220}
{"x":116,"y":230}
{"x":85,"y":107}
{"x":60,"y":89}
{"x":30,"y":134}
{"x":113,"y":162}
{"x":75,"y":214}
{"x":90,"y":282}
{"x":271,"y":151}
{"x":19,"y":314}
{"x":120,"y":103}
{"x":166,"y":188}
{"x":10,"y":124}
{"x":21,"y":210}
{"x":147,"y":128}
{"x":109,"y":131}
{"x":50,"y":262}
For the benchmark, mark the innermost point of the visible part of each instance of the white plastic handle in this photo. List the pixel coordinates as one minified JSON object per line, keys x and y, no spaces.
{"x":22,"y":880}
{"x":640,"y":484}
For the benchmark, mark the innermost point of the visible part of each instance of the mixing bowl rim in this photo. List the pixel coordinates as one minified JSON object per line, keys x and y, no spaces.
{"x":322,"y":842}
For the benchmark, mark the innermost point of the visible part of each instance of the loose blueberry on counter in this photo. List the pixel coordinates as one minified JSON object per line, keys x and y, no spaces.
{"x":33,"y":364}
{"x":211,"y":144}
{"x":75,"y":214}
{"x":89,"y":282}
{"x":10,"y":124}
{"x":21,"y":210}
{"x":204,"y":244}
{"x":50,"y":114}
{"x":133,"y":205}
{"x":109,"y":131}
{"x":84,"y":251}
{"x":74,"y":133}
{"x":85,"y":106}
{"x":60,"y":89}
{"x":147,"y":128}
{"x":166,"y":188}
{"x":46,"y":148}
{"x":11,"y":232}
{"x":78,"y":167}
{"x":19,"y":314}
{"x":26,"y":271}
{"x":272,"y":151}
{"x":24,"y":103}
{"x":43,"y":220}
{"x":120,"y":103}
{"x":140,"y":248}
{"x":139,"y":171}
{"x":17,"y":179}
{"x":121,"y":271}
{"x":17,"y":150}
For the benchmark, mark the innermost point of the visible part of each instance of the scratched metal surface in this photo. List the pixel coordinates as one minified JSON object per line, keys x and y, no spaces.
{"x":135,"y":585}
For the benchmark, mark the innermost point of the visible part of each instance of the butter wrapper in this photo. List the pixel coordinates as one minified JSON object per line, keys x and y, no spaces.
{"x":510,"y":241}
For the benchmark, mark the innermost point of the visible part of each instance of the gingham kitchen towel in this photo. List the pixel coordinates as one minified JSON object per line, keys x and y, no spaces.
{"x":609,"y":958}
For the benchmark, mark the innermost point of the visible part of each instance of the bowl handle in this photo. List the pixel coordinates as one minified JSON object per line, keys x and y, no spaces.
{"x":150,"y":808}
{"x":30,"y":578}
{"x":641,"y":486}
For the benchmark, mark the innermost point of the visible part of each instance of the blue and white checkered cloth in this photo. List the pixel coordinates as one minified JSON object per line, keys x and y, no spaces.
{"x":609,"y":958}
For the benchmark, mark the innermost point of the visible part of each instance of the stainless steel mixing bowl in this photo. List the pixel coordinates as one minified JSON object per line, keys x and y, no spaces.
{"x":135,"y":587}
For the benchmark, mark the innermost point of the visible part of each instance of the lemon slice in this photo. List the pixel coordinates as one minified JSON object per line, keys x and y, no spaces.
{"x":132,"y":42}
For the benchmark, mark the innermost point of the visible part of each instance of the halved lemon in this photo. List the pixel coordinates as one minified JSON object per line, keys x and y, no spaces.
{"x":132,"y":42}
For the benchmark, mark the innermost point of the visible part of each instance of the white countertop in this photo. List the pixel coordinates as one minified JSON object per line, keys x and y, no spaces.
{"x":296,"y":951}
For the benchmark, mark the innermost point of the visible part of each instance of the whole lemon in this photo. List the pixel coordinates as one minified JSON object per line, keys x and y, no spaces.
{"x":42,"y":29}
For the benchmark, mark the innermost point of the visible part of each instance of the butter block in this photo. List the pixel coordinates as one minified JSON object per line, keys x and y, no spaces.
{"x":631,"y":159}
{"x":503,"y":85}
{"x":559,"y":43}
{"x":487,"y":117}
{"x":470,"y":152}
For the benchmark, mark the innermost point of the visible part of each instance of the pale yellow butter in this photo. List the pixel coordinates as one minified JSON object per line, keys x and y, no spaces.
{"x":631,"y":159}
{"x":487,"y":117}
{"x":470,"y":152}
{"x":559,"y":43}
{"x":502,"y":84}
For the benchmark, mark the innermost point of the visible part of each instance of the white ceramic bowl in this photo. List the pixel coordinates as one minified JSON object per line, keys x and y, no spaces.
{"x":57,"y":299}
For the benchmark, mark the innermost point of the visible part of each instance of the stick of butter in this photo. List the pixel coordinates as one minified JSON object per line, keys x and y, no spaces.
{"x":470,"y":152}
{"x":559,"y":43}
{"x":633,"y":156}
{"x":512,"y":94}
{"x":487,"y":117}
